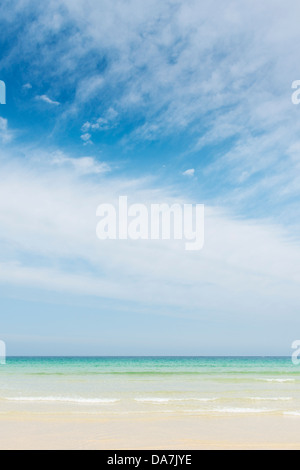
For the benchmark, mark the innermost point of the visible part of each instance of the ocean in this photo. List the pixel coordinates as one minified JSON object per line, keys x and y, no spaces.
{"x":210,"y":386}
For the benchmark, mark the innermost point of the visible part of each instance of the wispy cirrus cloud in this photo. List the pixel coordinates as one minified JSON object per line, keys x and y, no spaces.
{"x":82,"y":165}
{"x":218,"y":80}
{"x":5,"y":134}
{"x":148,"y":83}
{"x":244,"y":261}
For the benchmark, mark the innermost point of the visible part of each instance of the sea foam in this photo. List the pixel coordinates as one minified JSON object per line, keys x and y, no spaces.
{"x":64,"y":399}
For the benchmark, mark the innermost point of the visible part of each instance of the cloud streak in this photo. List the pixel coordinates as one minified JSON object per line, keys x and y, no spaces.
{"x":48,"y":241}
{"x":197,"y":93}
{"x":5,"y":134}
{"x":178,"y":68}
{"x":47,"y":100}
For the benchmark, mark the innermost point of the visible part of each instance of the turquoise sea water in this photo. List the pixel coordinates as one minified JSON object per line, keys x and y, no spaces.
{"x":184,"y":385}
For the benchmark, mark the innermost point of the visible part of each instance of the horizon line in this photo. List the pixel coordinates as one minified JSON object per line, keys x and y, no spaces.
{"x":143,"y":356}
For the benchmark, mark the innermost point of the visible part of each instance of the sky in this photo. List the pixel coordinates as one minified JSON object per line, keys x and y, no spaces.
{"x":162,"y":102}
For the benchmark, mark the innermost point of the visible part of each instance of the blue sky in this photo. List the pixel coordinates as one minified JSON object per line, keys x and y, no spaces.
{"x":162,"y":102}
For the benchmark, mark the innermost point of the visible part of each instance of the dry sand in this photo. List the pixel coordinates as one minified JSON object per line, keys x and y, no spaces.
{"x":48,"y":431}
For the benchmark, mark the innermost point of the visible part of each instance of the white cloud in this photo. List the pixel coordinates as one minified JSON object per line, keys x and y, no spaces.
{"x":180,"y":67}
{"x":104,"y":123}
{"x":224,"y":80}
{"x":27,"y":86}
{"x":5,"y":134}
{"x":86,"y":126}
{"x":88,"y":89}
{"x":82,"y":166}
{"x":190,"y":172}
{"x":86,"y":138}
{"x":48,"y":100}
{"x":246,"y":268}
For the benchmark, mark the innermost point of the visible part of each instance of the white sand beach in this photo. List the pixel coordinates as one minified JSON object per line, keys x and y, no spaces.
{"x":80,"y":432}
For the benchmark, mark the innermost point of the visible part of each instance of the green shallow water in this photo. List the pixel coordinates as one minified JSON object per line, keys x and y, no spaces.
{"x":158,"y":364}
{"x":198,"y":385}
